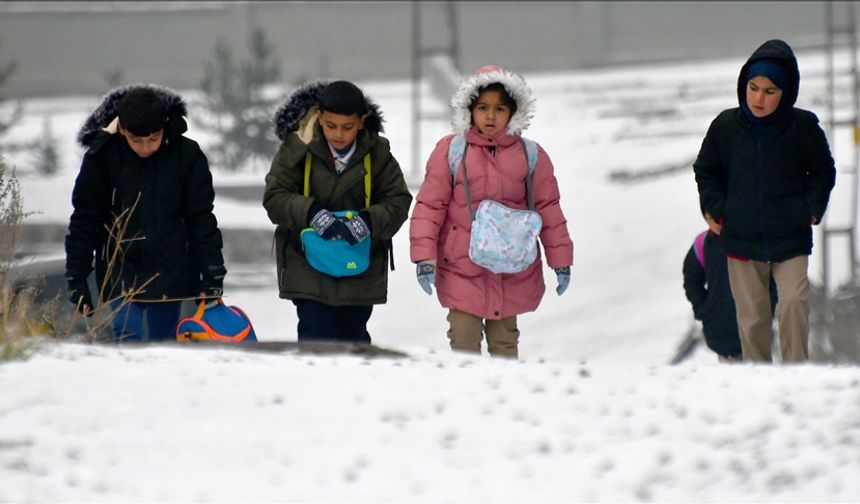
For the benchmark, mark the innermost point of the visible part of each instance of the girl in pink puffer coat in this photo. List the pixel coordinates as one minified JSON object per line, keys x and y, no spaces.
{"x":492,"y":108}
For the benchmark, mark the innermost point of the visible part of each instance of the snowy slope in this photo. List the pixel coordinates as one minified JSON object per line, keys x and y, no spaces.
{"x":95,"y":424}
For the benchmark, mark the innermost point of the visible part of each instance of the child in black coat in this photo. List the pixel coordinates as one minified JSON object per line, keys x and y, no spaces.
{"x":764,"y":174}
{"x":141,"y":173}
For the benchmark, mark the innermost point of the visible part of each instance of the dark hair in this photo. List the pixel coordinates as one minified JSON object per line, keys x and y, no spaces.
{"x":142,"y":112}
{"x":342,"y":97}
{"x":507,"y":99}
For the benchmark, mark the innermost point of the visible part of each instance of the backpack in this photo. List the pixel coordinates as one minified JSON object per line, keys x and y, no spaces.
{"x":216,"y":323}
{"x":502,"y":239}
{"x":699,"y":247}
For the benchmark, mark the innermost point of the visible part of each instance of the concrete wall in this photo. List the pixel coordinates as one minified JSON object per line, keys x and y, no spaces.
{"x":70,"y":47}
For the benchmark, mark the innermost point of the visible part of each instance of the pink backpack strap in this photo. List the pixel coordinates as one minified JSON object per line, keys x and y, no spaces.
{"x":699,"y":247}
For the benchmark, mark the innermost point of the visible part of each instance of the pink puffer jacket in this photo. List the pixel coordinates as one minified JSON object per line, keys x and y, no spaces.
{"x":441,"y":223}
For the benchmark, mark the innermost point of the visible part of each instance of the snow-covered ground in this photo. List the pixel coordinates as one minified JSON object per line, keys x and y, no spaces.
{"x":591,"y":412}
{"x":95,"y":424}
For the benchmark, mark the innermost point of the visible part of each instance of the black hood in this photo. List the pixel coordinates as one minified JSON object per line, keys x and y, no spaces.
{"x":780,"y":51}
{"x":105,"y":113}
{"x":303,"y":99}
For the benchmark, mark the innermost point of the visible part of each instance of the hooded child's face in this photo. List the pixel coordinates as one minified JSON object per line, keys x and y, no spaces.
{"x":762,"y":96}
{"x":490,"y":115}
{"x":143,"y":146}
{"x":340,"y":130}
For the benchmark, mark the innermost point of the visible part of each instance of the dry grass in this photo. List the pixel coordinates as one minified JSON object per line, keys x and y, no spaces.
{"x":16,"y":323}
{"x":26,"y":320}
{"x":97,"y":325}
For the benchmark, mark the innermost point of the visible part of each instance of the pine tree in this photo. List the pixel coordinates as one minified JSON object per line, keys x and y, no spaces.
{"x":237,"y":102}
{"x":46,"y":153}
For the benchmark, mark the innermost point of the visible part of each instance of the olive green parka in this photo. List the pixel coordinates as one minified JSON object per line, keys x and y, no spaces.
{"x":287,"y":207}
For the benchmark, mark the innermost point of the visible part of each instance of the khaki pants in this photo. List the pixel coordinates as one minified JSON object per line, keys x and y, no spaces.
{"x":750,"y":287}
{"x":466,"y":332}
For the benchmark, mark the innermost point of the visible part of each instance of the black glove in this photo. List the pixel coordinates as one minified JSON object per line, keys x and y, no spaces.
{"x":212,"y":283}
{"x":325,"y":223}
{"x":312,"y":211}
{"x":358,"y":227}
{"x":79,"y":295}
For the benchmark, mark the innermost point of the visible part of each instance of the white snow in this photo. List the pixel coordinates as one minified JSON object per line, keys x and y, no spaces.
{"x":591,"y":412}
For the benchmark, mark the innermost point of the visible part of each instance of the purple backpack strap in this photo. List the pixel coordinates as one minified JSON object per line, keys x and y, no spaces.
{"x":699,"y":247}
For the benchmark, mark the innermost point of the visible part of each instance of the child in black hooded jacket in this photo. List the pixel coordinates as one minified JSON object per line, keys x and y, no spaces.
{"x":764,"y":175}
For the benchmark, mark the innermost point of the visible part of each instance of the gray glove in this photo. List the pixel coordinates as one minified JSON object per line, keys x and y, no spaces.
{"x":563,"y":275}
{"x":426,"y":271}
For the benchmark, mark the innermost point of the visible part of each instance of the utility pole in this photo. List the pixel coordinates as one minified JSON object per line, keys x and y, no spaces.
{"x":841,"y":32}
{"x":443,"y":61}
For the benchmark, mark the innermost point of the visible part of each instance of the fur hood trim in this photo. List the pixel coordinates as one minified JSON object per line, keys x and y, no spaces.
{"x":105,"y":114}
{"x":516,"y":86}
{"x":300,"y":110}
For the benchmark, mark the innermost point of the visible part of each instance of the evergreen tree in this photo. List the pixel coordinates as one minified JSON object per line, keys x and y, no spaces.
{"x":46,"y":153}
{"x":113,"y":78}
{"x":238,"y":107}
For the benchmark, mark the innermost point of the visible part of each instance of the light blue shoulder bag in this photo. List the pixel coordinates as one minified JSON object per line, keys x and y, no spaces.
{"x":503,"y":239}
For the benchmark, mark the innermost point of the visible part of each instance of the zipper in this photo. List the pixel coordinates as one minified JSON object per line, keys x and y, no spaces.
{"x":761,"y":205}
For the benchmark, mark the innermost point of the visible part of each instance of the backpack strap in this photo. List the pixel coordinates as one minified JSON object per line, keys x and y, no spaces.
{"x":308,"y":158}
{"x":699,"y":247}
{"x":367,"y":178}
{"x":530,"y":150}
{"x":530,"y":147}
{"x":457,"y":150}
{"x":457,"y":157}
{"x":456,"y":153}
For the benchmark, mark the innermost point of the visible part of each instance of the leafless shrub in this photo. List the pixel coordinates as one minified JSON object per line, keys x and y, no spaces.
{"x":15,"y":321}
{"x":97,"y":324}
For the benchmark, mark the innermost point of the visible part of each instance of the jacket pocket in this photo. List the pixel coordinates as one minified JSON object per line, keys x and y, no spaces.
{"x":793,"y":221}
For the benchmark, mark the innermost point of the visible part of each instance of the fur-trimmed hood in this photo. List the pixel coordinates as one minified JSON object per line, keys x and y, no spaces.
{"x":105,"y":114}
{"x":516,"y":86}
{"x":301,"y":107}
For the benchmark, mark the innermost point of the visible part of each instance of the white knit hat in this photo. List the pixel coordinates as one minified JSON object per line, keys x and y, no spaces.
{"x":515,"y":85}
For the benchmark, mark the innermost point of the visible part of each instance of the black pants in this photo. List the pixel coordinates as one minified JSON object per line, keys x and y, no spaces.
{"x":318,"y":321}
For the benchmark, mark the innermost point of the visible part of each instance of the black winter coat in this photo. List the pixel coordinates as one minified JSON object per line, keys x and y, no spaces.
{"x":172,"y":240}
{"x":766,"y":184}
{"x":710,"y":293}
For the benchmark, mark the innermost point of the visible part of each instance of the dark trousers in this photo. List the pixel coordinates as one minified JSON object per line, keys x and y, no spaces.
{"x":318,"y":321}
{"x":161,"y":320}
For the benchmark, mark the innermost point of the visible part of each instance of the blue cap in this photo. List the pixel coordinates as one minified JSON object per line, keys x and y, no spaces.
{"x":771,"y":69}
